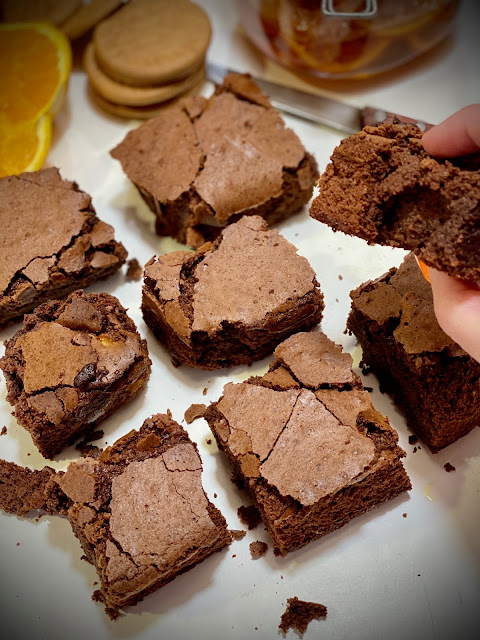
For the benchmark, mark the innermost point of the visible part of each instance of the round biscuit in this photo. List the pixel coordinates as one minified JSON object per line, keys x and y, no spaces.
{"x":87,"y":16}
{"x":140,"y":113}
{"x":38,"y":10}
{"x":122,"y":94}
{"x":152,"y":42}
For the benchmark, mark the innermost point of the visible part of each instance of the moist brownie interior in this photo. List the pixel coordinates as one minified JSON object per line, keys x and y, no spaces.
{"x":71,"y":366}
{"x":307,"y":442}
{"x":51,"y":242}
{"x":382,"y":186}
{"x":431,"y":378}
{"x":231,"y":302}
{"x":202,"y":165}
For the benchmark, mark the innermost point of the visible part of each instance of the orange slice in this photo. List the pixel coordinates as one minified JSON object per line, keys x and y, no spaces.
{"x":36,"y":60}
{"x":24,"y":147}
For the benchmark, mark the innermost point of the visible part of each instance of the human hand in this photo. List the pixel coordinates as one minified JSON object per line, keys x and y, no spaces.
{"x":457,"y":302}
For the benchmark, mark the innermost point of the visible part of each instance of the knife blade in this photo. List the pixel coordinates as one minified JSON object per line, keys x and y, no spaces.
{"x":316,"y":108}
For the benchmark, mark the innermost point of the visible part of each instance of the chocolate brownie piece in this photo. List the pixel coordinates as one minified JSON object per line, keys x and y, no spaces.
{"x":307,"y":442}
{"x":203,"y":164}
{"x":300,"y":613}
{"x":382,"y":186}
{"x":431,"y":378}
{"x":138,"y":509}
{"x":71,"y":366}
{"x":51,"y":242}
{"x":231,"y":302}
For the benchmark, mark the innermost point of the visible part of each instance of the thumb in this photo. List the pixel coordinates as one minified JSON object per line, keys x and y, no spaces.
{"x":458,"y":135}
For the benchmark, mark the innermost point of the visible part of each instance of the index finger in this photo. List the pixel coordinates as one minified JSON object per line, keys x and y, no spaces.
{"x":458,"y":135}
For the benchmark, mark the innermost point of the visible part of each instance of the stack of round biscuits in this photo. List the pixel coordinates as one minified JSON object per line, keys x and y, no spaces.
{"x":146,"y":55}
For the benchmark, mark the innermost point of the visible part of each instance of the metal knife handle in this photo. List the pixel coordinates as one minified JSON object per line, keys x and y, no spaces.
{"x":373,"y":116}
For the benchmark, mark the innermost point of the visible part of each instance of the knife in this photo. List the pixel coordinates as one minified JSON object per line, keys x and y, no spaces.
{"x":316,"y":108}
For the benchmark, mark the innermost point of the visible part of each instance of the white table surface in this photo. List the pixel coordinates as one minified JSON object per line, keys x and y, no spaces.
{"x":382,"y":575}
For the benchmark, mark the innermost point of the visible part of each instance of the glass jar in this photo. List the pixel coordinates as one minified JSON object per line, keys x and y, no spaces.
{"x":301,"y":36}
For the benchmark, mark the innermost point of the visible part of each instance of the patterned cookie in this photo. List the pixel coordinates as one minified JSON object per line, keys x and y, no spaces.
{"x":152,"y":42}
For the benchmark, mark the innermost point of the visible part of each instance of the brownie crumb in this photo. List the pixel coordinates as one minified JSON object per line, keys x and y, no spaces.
{"x":238,"y":534}
{"x":214,"y":495}
{"x":404,"y":515}
{"x":234,"y":555}
{"x":18,"y":544}
{"x":369,"y":389}
{"x":336,"y":299}
{"x":208,"y":441}
{"x":194,"y":412}
{"x":448,"y":467}
{"x":413,"y":439}
{"x":134,"y":270}
{"x":258,"y":549}
{"x":414,"y":449}
{"x":249,"y":515}
{"x":340,"y":277}
{"x":205,"y":391}
{"x":3,"y":432}
{"x":299,"y":614}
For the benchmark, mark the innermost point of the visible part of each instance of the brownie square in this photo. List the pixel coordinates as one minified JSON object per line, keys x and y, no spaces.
{"x":233,"y":301}
{"x":138,"y":509}
{"x":431,"y":378}
{"x":203,"y":164}
{"x":71,"y":366}
{"x":382,"y":186}
{"x":307,"y":442}
{"x":51,"y":242}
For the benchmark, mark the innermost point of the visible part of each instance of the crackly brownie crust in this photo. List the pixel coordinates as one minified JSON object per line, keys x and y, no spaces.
{"x":231,"y":302}
{"x":71,"y":366}
{"x":307,"y":442}
{"x":138,"y":509}
{"x":140,"y":512}
{"x":435,"y":382}
{"x":51,"y":242}
{"x":204,"y":164}
{"x":382,"y":186}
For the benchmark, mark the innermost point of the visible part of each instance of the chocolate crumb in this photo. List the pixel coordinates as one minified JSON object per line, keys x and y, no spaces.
{"x":214,"y":495}
{"x":169,"y":413}
{"x":336,"y":299}
{"x":299,"y":614}
{"x":340,"y":277}
{"x":404,"y":515}
{"x":234,"y":555}
{"x":238,"y":534}
{"x":413,"y":439}
{"x":419,"y":447}
{"x":194,"y":412}
{"x":205,"y":391}
{"x":3,"y":431}
{"x":258,"y":549}
{"x":448,"y":467}
{"x":414,"y":449}
{"x":134,"y":270}
{"x":208,"y":441}
{"x":249,"y":515}
{"x":18,"y":544}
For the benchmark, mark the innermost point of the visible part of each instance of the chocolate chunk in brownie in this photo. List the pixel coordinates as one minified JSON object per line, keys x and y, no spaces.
{"x":382,"y":186}
{"x":310,"y":447}
{"x":233,"y":301}
{"x":300,"y":613}
{"x":51,"y":242}
{"x":258,"y":549}
{"x":71,"y":366}
{"x":434,"y":382}
{"x":203,"y":164}
{"x":138,"y":509}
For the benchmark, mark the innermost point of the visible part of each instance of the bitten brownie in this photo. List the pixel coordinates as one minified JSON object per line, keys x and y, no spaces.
{"x":431,"y":378}
{"x":202,"y":165}
{"x":71,"y":366}
{"x":232,"y":301}
{"x":51,"y":242}
{"x":138,"y":509}
{"x":382,"y":186}
{"x":307,"y":442}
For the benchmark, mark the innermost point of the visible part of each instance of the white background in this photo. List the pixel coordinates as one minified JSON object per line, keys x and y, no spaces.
{"x":382,"y":575}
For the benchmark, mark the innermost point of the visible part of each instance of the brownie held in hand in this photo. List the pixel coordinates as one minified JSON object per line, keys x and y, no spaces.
{"x":307,"y":442}
{"x":71,"y":366}
{"x":382,"y":186}
{"x":138,"y":509}
{"x":51,"y":242}
{"x":431,"y":378}
{"x":201,"y":165}
{"x":233,"y":301}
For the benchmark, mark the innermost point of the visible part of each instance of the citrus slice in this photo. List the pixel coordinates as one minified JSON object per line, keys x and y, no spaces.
{"x":24,"y":147}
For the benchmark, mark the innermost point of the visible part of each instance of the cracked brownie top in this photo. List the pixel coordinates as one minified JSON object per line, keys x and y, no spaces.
{"x":51,"y":241}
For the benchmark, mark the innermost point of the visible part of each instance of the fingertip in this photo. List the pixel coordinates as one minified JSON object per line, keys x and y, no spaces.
{"x":458,"y":135}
